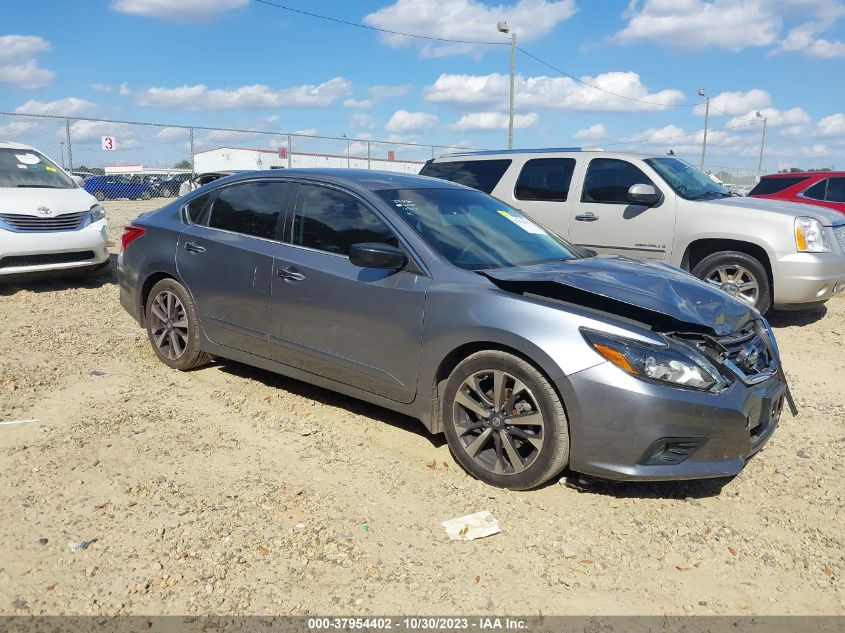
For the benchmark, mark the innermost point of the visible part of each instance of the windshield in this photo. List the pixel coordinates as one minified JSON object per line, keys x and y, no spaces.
{"x":475,"y":231}
{"x":687,"y":181}
{"x":28,"y":168}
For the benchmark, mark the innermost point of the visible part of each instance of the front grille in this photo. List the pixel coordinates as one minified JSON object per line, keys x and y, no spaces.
{"x":40,"y":224}
{"x":839,"y":231}
{"x":17,"y":261}
{"x":749,"y":354}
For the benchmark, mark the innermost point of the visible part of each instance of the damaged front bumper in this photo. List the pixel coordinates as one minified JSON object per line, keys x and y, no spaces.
{"x":623,"y":428}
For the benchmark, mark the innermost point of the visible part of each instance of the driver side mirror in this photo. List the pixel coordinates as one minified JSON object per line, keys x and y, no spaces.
{"x":78,"y":180}
{"x":377,"y":255}
{"x":643,"y":194}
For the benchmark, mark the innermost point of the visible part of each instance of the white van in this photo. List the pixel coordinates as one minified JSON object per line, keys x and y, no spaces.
{"x":769,"y":253}
{"x":47,"y":221}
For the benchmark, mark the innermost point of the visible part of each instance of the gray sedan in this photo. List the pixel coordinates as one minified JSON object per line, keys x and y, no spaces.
{"x":441,"y":302}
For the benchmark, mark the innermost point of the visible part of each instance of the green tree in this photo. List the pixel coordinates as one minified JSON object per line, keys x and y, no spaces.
{"x":183,"y":164}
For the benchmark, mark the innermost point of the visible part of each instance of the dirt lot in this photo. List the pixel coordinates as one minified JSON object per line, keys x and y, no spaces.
{"x":233,"y":490}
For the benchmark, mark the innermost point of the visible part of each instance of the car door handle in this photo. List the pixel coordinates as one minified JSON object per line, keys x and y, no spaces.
{"x":290,"y":274}
{"x":194,"y":248}
{"x":589,"y":216}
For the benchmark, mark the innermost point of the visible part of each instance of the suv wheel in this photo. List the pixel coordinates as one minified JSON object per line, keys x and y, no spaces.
{"x":145,"y":195}
{"x":740,"y":275}
{"x":165,"y":193}
{"x":504,"y":422}
{"x":173,"y":326}
{"x":100,"y":195}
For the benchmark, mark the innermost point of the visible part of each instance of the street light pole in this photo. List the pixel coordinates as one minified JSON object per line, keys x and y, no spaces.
{"x":706,"y":118}
{"x":762,"y":142}
{"x":503,"y":28}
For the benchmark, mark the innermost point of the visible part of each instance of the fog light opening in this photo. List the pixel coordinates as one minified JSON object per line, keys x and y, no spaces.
{"x":670,"y":451}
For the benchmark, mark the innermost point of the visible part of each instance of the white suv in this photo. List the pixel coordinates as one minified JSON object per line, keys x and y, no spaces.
{"x":47,"y":221}
{"x":768,"y":253}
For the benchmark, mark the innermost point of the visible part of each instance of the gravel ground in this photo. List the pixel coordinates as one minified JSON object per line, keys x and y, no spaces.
{"x":140,"y":490}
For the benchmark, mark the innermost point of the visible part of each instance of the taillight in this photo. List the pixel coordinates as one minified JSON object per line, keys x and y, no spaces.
{"x":130,"y":234}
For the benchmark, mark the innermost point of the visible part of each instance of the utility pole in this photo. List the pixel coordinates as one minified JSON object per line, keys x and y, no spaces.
{"x":762,"y":142}
{"x":706,"y":118}
{"x":503,"y":28}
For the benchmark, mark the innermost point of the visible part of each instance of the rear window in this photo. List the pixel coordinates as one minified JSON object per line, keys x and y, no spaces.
{"x":769,"y":186}
{"x":817,"y":191}
{"x":545,"y":179}
{"x":483,"y":175}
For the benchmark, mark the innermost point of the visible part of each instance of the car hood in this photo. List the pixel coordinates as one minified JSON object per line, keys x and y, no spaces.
{"x":27,"y":200}
{"x":785,"y":207}
{"x":650,"y":291}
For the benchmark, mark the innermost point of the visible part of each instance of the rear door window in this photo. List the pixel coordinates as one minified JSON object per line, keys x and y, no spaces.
{"x":817,"y":191}
{"x":545,"y":179}
{"x":251,"y":208}
{"x":483,"y":175}
{"x":768,"y":186}
{"x":835,"y":190}
{"x":608,"y":180}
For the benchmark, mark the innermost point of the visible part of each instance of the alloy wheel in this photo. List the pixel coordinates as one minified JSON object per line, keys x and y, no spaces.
{"x":736,"y":280}
{"x":169,"y":325}
{"x":498,"y":422}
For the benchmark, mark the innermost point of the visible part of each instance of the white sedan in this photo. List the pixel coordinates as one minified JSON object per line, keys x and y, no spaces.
{"x":47,"y":221}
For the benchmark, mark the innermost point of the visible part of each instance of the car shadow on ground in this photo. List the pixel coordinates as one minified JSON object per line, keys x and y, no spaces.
{"x":58,"y":280}
{"x":791,"y":318}
{"x":689,"y":490}
{"x":330,"y":398}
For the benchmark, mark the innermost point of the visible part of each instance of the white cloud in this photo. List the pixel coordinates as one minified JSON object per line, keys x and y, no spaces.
{"x":804,"y":39}
{"x":173,"y":134}
{"x":730,"y":24}
{"x":494,"y":121}
{"x":551,"y":92}
{"x":310,"y":131}
{"x":377,"y":94}
{"x":358,"y":103}
{"x":18,"y":64}
{"x":200,"y":97}
{"x":467,"y":20}
{"x":593,"y":133}
{"x":124,"y":91}
{"x":404,"y":121}
{"x":16,"y":130}
{"x":733,"y":103}
{"x":102,"y":87}
{"x":776,"y":118}
{"x":63,"y":107}
{"x":362,"y":121}
{"x":184,"y":10}
{"x":833,"y":125}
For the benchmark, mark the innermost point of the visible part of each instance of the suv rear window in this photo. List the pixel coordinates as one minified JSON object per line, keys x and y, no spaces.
{"x":768,"y":186}
{"x":483,"y":175}
{"x":545,"y":179}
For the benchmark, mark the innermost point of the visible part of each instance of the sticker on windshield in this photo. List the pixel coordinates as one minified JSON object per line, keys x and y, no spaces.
{"x":524,"y":223}
{"x":48,"y":168}
{"x":28,"y":159}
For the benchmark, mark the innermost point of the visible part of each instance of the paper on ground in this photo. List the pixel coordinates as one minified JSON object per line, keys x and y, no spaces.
{"x":471,"y":526}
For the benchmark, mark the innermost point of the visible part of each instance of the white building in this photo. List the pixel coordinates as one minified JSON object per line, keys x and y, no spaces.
{"x":239,"y":158}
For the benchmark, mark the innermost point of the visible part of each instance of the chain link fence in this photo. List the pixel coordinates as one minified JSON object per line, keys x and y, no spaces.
{"x":134,"y":167}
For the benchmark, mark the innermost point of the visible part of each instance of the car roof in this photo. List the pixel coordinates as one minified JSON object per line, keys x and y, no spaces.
{"x":373,"y":180}
{"x":806,"y":174}
{"x":11,"y":145}
{"x":593,"y":151}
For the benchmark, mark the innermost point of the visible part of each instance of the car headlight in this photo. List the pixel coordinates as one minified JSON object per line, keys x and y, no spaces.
{"x":810,"y":236}
{"x":97,"y":213}
{"x":674,"y":363}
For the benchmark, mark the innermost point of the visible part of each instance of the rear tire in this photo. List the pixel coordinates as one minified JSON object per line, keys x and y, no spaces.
{"x":739,"y":275}
{"x":166,"y":193}
{"x":173,"y":326}
{"x":100,"y":195}
{"x":145,"y":195}
{"x":504,"y":422}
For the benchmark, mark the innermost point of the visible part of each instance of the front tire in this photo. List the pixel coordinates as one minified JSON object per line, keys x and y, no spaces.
{"x":504,"y":422}
{"x":740,"y":275}
{"x":145,"y":195}
{"x":173,"y":326}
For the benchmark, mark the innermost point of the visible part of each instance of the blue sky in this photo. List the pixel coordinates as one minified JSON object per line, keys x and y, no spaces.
{"x":241,"y":63}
